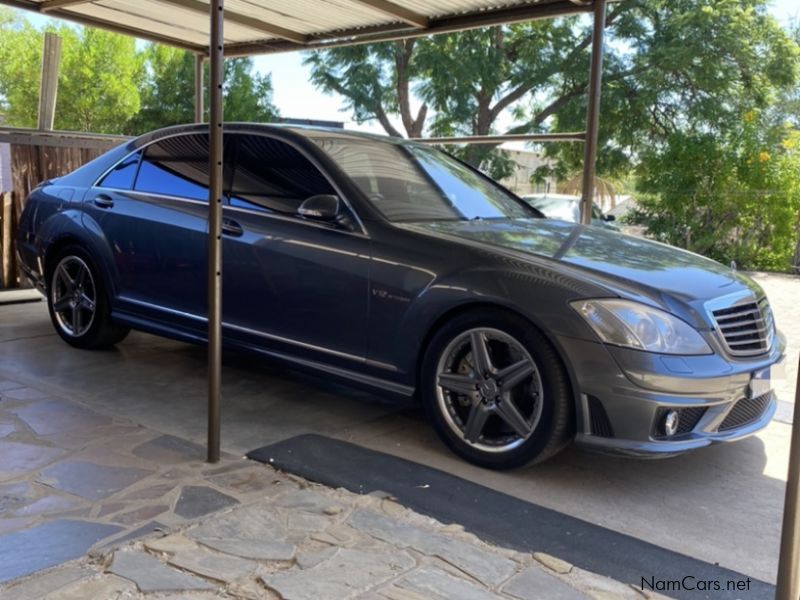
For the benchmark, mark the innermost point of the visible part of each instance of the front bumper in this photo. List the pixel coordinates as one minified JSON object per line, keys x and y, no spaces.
{"x":624,"y":395}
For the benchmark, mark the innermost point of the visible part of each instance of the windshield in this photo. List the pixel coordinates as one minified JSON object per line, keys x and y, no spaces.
{"x":413,"y":183}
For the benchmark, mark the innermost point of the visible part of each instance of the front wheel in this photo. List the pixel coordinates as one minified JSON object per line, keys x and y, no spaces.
{"x":78,"y":304}
{"x":496,"y":391}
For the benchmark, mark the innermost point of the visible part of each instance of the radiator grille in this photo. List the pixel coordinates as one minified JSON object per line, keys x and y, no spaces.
{"x":746,"y":329}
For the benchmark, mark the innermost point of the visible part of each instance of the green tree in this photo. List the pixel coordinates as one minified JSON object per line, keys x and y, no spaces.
{"x":681,"y":67}
{"x":731,"y":197}
{"x":669,"y":63}
{"x":167,"y":91}
{"x":97,"y":86}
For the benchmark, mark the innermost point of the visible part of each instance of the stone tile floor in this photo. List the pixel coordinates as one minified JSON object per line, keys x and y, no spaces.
{"x":301,"y":541}
{"x":95,"y":506}
{"x":71,"y":479}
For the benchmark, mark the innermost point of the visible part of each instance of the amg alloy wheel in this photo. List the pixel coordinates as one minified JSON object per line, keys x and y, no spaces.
{"x":78,"y":303}
{"x":496,"y":390}
{"x":489,"y":390}
{"x":74,"y":296}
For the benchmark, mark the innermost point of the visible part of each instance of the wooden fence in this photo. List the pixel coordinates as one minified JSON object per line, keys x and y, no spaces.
{"x":35,"y":157}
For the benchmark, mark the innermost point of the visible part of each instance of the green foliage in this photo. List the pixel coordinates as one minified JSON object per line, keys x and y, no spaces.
{"x":167,"y":91}
{"x":100,"y":74}
{"x":106,"y":85}
{"x":733,"y":197}
{"x":678,"y":76}
{"x":98,"y":80}
{"x":679,"y":66}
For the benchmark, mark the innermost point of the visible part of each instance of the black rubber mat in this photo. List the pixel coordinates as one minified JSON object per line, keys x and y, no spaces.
{"x":502,"y":519}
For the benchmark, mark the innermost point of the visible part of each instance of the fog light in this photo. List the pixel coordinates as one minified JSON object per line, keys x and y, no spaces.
{"x":671,"y":421}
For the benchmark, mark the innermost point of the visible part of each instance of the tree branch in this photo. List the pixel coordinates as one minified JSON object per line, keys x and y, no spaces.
{"x":509,"y":99}
{"x":402,"y":57}
{"x":380,"y":113}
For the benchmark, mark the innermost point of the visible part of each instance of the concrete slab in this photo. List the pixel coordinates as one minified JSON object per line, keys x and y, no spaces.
{"x":19,"y":296}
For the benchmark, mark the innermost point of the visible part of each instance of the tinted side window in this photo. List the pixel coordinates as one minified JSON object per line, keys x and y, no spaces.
{"x":271,"y":175}
{"x":121,"y":176}
{"x":176,"y":166}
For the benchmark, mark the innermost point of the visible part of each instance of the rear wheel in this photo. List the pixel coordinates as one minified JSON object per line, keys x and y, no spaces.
{"x":78,"y":303}
{"x":496,"y":391}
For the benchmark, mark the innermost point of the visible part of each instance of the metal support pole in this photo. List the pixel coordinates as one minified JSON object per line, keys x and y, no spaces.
{"x":788,"y":568}
{"x":593,"y":111}
{"x":215,"y":159}
{"x":199,"y":111}
{"x":48,"y":89}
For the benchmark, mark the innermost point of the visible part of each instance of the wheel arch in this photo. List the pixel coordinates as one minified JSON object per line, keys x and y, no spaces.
{"x":95,"y":245}
{"x":54,"y":248}
{"x":456,"y":311}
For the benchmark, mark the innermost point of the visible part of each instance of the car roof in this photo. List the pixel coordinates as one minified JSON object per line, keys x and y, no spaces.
{"x":300,"y":130}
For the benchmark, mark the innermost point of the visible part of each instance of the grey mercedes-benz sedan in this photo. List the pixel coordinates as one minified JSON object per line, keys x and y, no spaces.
{"x":392,"y":265}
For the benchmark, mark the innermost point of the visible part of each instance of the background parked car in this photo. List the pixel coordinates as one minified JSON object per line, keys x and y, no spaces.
{"x":565,"y":207}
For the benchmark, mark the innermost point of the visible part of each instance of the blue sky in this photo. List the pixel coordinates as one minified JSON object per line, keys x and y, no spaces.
{"x":296,"y":97}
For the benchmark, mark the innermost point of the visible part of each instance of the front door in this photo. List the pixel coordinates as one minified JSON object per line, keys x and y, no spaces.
{"x":290,"y":283}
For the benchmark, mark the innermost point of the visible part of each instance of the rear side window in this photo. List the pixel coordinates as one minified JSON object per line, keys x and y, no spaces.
{"x":176,"y":166}
{"x":121,"y":176}
{"x":273,"y":176}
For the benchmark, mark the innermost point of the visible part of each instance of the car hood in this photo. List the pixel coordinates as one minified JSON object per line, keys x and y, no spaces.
{"x":623,"y":262}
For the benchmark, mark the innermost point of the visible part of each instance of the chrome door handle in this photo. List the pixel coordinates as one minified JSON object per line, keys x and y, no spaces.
{"x":104,"y":201}
{"x":232,"y":228}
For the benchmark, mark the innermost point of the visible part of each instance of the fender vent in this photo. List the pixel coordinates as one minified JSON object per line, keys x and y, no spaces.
{"x":598,"y":419}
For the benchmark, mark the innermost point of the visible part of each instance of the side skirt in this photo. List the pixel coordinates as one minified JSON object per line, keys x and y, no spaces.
{"x":197,"y":337}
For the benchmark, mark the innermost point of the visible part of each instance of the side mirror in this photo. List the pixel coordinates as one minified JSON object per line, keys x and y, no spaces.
{"x":609,"y":218}
{"x":322,"y":207}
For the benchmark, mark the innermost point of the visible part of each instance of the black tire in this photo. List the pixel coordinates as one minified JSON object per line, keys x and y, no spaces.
{"x":550,"y":418}
{"x":94,"y":328}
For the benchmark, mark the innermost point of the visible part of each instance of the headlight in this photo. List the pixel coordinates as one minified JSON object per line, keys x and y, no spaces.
{"x":634,"y":325}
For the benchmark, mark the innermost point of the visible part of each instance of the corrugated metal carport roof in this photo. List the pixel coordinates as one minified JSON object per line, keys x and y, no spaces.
{"x":264,"y":26}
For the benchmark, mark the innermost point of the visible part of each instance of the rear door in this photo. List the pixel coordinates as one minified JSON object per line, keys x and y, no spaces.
{"x":157,"y":228}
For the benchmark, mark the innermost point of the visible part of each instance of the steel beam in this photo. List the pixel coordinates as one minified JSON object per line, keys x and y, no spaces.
{"x":59,"y":139}
{"x":593,"y":111}
{"x":199,"y":89}
{"x":788,"y":585}
{"x":49,"y":5}
{"x":401,"y":13}
{"x":83,"y":19}
{"x":247,"y":21}
{"x":577,"y":136}
{"x":386,"y":33}
{"x":48,"y":88}
{"x":215,"y":159}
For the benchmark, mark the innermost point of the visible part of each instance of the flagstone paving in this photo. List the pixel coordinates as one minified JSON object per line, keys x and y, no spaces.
{"x":391,"y":553}
{"x":104,"y":508}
